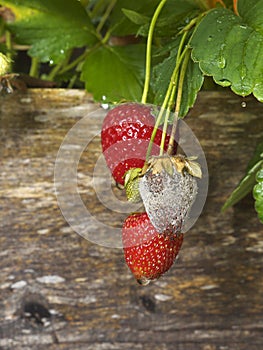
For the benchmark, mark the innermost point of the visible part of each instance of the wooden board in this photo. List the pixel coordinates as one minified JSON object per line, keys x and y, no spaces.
{"x":61,"y":291}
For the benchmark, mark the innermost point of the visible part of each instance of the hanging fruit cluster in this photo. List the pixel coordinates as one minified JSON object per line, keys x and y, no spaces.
{"x":139,"y":146}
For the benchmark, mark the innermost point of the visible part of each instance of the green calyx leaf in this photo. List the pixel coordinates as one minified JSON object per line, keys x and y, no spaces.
{"x":5,"y":63}
{"x":68,"y":26}
{"x":113,"y":73}
{"x":248,"y":183}
{"x":229,"y":47}
{"x":131,"y":184}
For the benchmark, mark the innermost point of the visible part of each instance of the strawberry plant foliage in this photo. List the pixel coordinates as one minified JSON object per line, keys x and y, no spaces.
{"x":258,"y":193}
{"x":231,"y":50}
{"x":251,"y":182}
{"x":51,"y":27}
{"x":192,"y":83}
{"x":120,"y":65}
{"x":224,"y":45}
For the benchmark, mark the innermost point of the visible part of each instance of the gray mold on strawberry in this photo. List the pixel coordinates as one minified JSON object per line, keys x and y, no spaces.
{"x":168,"y":193}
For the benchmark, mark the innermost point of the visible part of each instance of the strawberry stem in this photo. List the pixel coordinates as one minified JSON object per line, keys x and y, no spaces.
{"x":171,"y":90}
{"x":178,"y":100}
{"x":149,"y":51}
{"x":105,"y":16}
{"x":169,"y":93}
{"x":173,"y":83}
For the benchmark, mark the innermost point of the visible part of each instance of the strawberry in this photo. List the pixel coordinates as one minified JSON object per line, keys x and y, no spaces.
{"x":148,"y":253}
{"x":125,"y":135}
{"x":168,"y":190}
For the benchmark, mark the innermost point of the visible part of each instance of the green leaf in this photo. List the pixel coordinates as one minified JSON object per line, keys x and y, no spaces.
{"x":248,"y":183}
{"x":258,"y":190}
{"x":136,"y":17}
{"x":258,"y":194}
{"x":162,"y":73}
{"x":52,"y":27}
{"x":121,"y":24}
{"x":251,"y":11}
{"x":245,"y":186}
{"x":229,"y":48}
{"x":192,"y":82}
{"x":174,"y":16}
{"x":115,"y":73}
{"x":257,"y":156}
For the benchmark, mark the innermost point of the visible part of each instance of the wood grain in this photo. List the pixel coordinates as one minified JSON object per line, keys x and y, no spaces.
{"x":212,"y":297}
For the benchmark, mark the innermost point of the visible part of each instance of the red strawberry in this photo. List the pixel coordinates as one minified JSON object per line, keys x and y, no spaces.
{"x":125,"y":136}
{"x":148,"y":253}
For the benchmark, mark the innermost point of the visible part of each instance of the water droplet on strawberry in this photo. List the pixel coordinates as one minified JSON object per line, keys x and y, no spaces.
{"x":143,"y":281}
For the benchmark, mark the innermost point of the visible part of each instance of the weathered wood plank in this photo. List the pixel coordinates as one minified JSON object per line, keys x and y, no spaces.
{"x":212,"y":297}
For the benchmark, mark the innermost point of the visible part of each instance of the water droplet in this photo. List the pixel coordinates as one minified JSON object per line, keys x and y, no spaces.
{"x":62,"y":51}
{"x":105,"y":105}
{"x":243,"y":104}
{"x":221,"y":63}
{"x":51,"y":62}
{"x":143,"y":281}
{"x":209,"y":38}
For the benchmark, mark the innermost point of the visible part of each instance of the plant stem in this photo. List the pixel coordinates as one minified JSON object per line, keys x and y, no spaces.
{"x":181,"y":80}
{"x":34,"y":67}
{"x":178,"y":101}
{"x":75,"y":62}
{"x":95,"y":10}
{"x":169,"y":93}
{"x":58,"y":67}
{"x":149,"y":51}
{"x":55,"y":71}
{"x":202,"y":4}
{"x":172,"y":90}
{"x":8,"y":41}
{"x":105,"y":16}
{"x":72,"y":81}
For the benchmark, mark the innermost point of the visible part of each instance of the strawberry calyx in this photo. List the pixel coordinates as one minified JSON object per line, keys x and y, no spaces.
{"x":131,"y":184}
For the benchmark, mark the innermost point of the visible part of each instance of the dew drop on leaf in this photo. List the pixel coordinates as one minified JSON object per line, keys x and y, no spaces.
{"x":243,"y":26}
{"x":243,"y":104}
{"x":222,"y":62}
